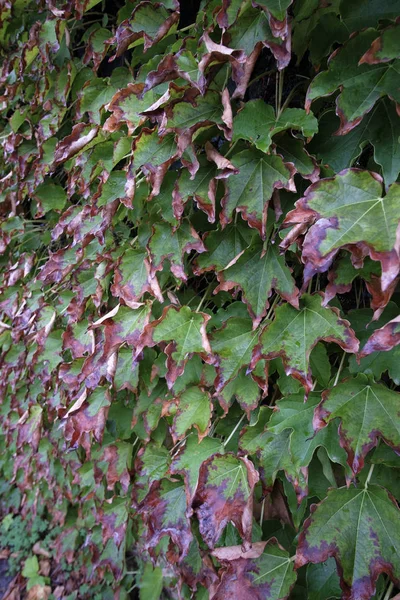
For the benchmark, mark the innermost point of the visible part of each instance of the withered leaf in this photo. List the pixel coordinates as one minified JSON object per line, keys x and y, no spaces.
{"x":225,"y":494}
{"x":264,"y":572}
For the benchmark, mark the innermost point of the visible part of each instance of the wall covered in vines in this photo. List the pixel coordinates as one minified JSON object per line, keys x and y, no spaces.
{"x":199,"y":312}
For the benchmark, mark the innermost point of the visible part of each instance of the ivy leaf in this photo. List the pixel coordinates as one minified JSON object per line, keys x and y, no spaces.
{"x":222,"y":247}
{"x":250,"y":32}
{"x":323,"y":581}
{"x":383,"y":339}
{"x":243,"y":389}
{"x":293,"y":151}
{"x":367,"y":411}
{"x":256,"y":273}
{"x":127,"y":105}
{"x":151,"y":464}
{"x":375,"y":363}
{"x":164,"y":513}
{"x":233,"y":346}
{"x":257,"y":123}
{"x":203,"y":187}
{"x":132,"y":278}
{"x":167,"y":244}
{"x":294,"y":333}
{"x":361,"y":85}
{"x":356,"y":17}
{"x":380,"y":127}
{"x":195,"y":111}
{"x":185,"y":332}
{"x":349,"y":211}
{"x":277,"y":8}
{"x":343,"y":273}
{"x":250,"y":191}
{"x":147,"y":22}
{"x":189,"y":459}
{"x":271,"y":449}
{"x":360,"y":528}
{"x":153,"y":154}
{"x":295,"y":414}
{"x":225,"y":494}
{"x":123,"y":325}
{"x":385,"y":48}
{"x":193,"y":409}
{"x":265,"y":571}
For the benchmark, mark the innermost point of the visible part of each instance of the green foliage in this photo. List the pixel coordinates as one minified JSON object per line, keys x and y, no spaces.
{"x":199,"y":309}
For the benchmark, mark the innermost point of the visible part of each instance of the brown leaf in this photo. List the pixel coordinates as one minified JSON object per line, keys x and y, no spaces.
{"x":127,"y":32}
{"x":383,"y":339}
{"x":225,"y":494}
{"x":73,"y":143}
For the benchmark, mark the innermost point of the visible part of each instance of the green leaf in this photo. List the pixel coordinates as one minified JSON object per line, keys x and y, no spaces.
{"x":195,"y":112}
{"x":194,"y":410}
{"x":277,"y":8}
{"x":225,"y":494}
{"x":250,"y":191}
{"x":190,"y":458}
{"x":31,"y":567}
{"x":251,"y":30}
{"x":357,"y":15}
{"x":132,"y":278}
{"x":361,"y":85}
{"x":361,"y":529}
{"x":323,"y":581}
{"x":349,"y":210}
{"x":151,"y":464}
{"x":257,"y":273}
{"x":50,"y":196}
{"x":242,"y":388}
{"x":295,"y":414}
{"x":294,"y":333}
{"x":186,"y":333}
{"x":233,"y":346}
{"x":293,"y":151}
{"x":257,"y":123}
{"x":265,"y":572}
{"x":223,"y":247}
{"x":367,"y":412}
{"x":166,"y":244}
{"x":380,"y":127}
{"x":151,"y":583}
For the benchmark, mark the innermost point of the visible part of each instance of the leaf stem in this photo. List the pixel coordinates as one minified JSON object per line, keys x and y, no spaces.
{"x":234,"y":430}
{"x":371,"y":470}
{"x":262,"y":512}
{"x":279,"y":80}
{"x":389,"y":591}
{"x":205,"y":295}
{"x":339,"y":370}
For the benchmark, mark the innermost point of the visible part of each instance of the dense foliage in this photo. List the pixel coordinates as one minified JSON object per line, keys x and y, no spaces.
{"x":199,"y":317}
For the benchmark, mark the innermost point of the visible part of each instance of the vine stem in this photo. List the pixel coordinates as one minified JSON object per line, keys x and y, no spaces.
{"x":234,"y":430}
